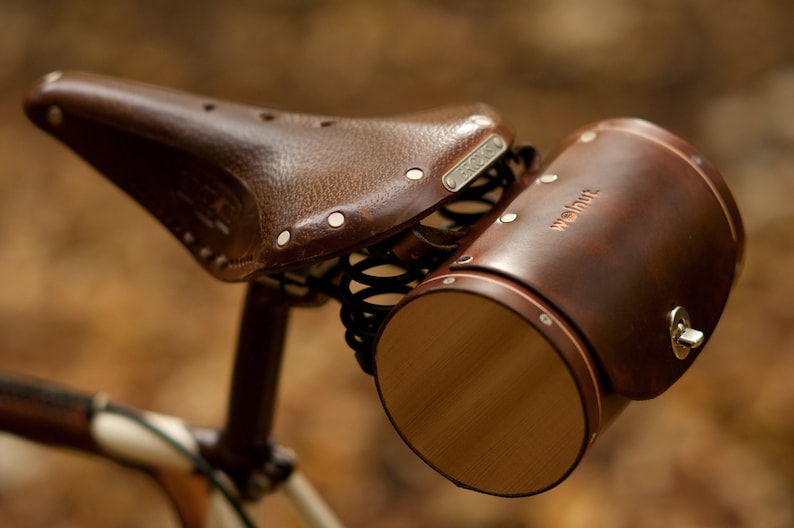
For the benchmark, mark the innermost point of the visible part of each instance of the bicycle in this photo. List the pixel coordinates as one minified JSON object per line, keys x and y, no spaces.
{"x":461,"y":263}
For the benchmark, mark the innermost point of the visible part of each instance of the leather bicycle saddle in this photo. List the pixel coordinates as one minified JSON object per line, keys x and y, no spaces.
{"x":254,"y":191}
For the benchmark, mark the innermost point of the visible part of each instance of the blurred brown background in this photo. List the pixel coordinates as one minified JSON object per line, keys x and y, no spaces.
{"x":95,"y":294}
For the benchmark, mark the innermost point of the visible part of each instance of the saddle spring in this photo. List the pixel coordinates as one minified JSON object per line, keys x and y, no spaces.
{"x":369,"y":289}
{"x":375,"y":279}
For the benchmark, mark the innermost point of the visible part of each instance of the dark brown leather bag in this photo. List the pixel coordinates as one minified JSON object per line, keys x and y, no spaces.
{"x":596,"y":282}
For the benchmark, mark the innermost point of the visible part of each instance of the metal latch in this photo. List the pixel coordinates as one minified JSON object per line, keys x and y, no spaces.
{"x":682,"y":336}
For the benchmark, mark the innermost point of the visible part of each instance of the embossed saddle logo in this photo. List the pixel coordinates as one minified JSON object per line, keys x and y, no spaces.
{"x":571,"y":212}
{"x":213,"y":204}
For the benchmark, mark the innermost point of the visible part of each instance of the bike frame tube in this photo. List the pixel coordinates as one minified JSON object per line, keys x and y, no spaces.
{"x":256,"y":372}
{"x":58,"y":416}
{"x":127,"y":440}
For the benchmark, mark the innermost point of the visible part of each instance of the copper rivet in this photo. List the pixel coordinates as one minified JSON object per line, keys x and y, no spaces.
{"x":508,"y":217}
{"x":336,"y":219}
{"x":545,"y":319}
{"x":482,"y":120}
{"x":414,"y":174}
{"x":53,"y":76}
{"x":54,"y":115}
{"x":588,"y":136}
{"x":283,"y":238}
{"x":462,"y":260}
{"x":548,"y":178}
{"x":448,"y":280}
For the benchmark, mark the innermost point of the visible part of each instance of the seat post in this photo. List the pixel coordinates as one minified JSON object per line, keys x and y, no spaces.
{"x":244,"y":442}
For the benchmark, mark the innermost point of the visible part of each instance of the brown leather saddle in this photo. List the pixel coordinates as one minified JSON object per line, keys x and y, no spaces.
{"x":253,"y":191}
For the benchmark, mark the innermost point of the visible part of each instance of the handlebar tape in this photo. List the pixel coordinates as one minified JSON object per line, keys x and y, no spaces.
{"x":46,"y":413}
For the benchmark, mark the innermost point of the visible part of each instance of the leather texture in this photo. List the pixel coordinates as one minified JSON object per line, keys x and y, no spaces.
{"x":250,"y":190}
{"x":632,"y":223}
{"x":46,"y":413}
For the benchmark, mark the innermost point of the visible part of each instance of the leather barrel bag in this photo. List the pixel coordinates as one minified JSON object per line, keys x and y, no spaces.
{"x":595,"y":281}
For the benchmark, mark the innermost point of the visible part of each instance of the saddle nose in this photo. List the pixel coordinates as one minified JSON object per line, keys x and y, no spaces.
{"x":249,"y":190}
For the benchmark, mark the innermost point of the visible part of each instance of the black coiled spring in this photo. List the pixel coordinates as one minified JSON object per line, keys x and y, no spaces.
{"x":368,"y":289}
{"x":371,"y":286}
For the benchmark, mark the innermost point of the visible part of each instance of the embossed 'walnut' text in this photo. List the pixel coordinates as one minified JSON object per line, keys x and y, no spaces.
{"x":572,"y":211}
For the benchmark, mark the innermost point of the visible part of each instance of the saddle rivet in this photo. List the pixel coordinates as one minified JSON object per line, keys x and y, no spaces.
{"x":588,"y":136}
{"x":189,"y":238}
{"x":221,"y":261}
{"x":448,"y":280}
{"x":53,"y":76}
{"x":336,"y":219}
{"x":508,"y":217}
{"x":463,"y":260}
{"x":481,"y":120}
{"x":545,"y":319}
{"x":283,"y":238}
{"x":548,"y":178}
{"x":414,"y":174}
{"x":54,"y":115}
{"x":205,"y":253}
